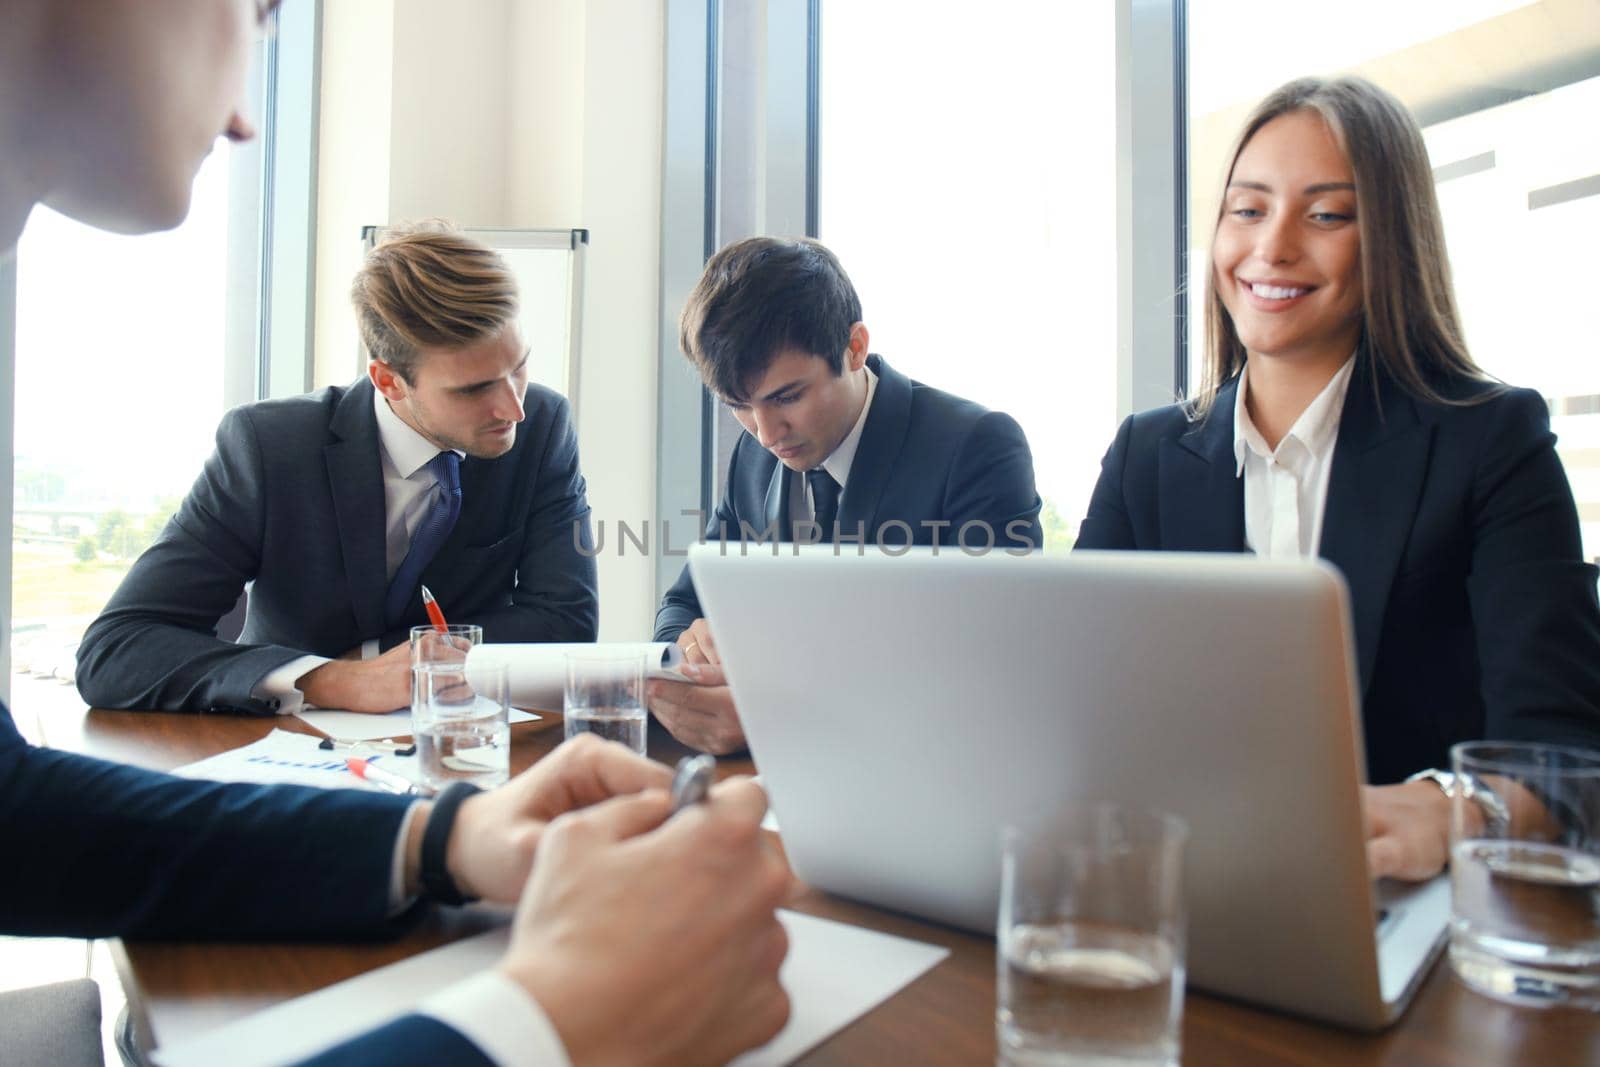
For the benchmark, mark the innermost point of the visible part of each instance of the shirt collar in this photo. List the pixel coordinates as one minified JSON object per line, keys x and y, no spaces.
{"x":1314,"y":430}
{"x":406,"y":449}
{"x":839,"y":461}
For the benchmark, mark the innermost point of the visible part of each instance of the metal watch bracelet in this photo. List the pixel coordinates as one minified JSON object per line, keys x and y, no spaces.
{"x":1496,"y":815}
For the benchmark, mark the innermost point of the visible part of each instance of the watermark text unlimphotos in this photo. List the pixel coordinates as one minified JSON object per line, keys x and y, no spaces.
{"x":975,"y":537}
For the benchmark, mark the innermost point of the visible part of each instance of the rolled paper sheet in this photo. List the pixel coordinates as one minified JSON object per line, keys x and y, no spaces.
{"x":538,"y":673}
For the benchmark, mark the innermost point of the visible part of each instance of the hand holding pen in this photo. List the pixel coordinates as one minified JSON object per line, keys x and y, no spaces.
{"x":692,"y":781}
{"x":689,"y":901}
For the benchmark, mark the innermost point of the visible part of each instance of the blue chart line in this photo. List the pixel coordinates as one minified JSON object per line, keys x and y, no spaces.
{"x":336,"y":766}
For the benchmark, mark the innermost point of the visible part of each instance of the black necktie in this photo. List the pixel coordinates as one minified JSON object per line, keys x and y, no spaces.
{"x":825,"y":498}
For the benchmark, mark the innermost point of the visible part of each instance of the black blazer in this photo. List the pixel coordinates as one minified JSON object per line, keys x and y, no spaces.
{"x":1454,"y":525}
{"x":292,"y":501}
{"x":925,"y":457}
{"x":100,"y":849}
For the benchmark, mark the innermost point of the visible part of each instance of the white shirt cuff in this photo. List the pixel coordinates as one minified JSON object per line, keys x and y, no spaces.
{"x":502,"y":1019}
{"x":279,"y":684}
{"x":369,"y":649}
{"x":398,"y":900}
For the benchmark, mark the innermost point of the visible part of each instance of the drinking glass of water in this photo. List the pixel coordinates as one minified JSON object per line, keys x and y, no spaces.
{"x":462,"y":727}
{"x":1525,"y":872}
{"x":605,"y":696}
{"x":431,"y":645}
{"x":1090,"y":946}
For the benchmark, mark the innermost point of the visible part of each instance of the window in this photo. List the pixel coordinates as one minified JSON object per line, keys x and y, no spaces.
{"x":119,"y":385}
{"x":967,"y":182}
{"x":127,"y":351}
{"x":1516,"y":157}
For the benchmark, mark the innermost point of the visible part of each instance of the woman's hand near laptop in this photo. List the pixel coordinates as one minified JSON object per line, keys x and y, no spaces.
{"x":1408,"y":825}
{"x":1408,"y":830}
{"x":699,"y":713}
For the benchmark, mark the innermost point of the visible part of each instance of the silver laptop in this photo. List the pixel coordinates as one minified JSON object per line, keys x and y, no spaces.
{"x":902,"y":709}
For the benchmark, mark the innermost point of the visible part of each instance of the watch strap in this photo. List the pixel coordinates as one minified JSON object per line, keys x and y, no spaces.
{"x":437,"y":885}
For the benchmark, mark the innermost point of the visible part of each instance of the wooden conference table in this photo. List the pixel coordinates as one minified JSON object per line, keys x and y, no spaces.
{"x":176,"y":990}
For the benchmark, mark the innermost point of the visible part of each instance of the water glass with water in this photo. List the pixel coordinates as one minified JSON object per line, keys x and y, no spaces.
{"x":1525,"y":872}
{"x":605,"y":696}
{"x":429,"y":644}
{"x":462,"y":726}
{"x":1090,"y":943}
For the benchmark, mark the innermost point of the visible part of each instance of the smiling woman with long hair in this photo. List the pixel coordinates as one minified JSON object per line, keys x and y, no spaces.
{"x":1340,"y":415}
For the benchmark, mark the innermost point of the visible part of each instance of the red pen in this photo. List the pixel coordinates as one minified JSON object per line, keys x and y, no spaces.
{"x":387,"y":780}
{"x":435,"y":616}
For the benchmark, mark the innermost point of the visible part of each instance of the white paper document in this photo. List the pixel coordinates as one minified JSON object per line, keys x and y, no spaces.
{"x":286,"y":758}
{"x":538,"y":673}
{"x":359,"y":726}
{"x":834,"y":974}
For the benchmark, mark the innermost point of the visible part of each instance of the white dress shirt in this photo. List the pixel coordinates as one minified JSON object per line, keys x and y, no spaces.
{"x":493,"y":1012}
{"x":501,"y":1018}
{"x":408,"y":490}
{"x":1286,"y":488}
{"x":801,"y":507}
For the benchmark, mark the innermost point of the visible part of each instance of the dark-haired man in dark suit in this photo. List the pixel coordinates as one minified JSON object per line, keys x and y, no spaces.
{"x":838,"y":446}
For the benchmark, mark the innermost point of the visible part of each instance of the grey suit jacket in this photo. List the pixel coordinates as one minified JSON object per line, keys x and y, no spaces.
{"x":292,"y":502}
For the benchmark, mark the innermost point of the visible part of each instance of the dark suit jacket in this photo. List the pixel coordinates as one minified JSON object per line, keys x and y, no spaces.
{"x":292,"y":501}
{"x":924,"y":457}
{"x":418,"y":1040}
{"x":100,"y":850}
{"x":1454,"y":526}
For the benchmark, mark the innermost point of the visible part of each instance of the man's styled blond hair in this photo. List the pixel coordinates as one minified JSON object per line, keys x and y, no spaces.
{"x":430,"y":287}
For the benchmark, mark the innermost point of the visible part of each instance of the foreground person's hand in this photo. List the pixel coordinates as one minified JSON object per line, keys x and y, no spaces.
{"x":649,"y":941}
{"x":493,"y":841}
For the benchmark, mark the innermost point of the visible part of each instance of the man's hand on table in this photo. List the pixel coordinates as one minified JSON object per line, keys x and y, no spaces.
{"x":496,"y":833}
{"x":699,"y":713}
{"x":374,"y":685}
{"x":648,"y":940}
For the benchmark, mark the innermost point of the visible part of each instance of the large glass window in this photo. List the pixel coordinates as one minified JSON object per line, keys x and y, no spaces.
{"x":119,"y":386}
{"x":1507,"y":92}
{"x":127,"y":351}
{"x":967,"y":181}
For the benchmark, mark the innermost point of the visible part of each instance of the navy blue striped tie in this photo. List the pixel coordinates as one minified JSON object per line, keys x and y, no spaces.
{"x":436,"y":525}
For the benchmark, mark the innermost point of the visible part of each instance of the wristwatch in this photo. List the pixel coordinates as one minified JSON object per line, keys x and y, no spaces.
{"x":437,"y":885}
{"x":1496,"y":815}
